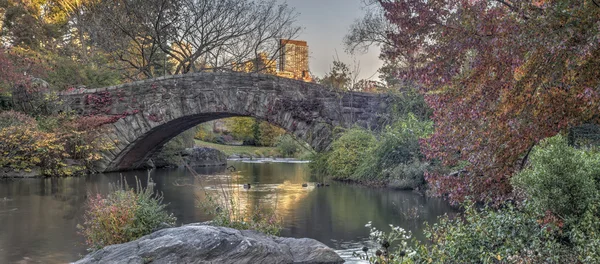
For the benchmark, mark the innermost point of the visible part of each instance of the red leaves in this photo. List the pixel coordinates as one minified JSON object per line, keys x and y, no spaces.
{"x":157,"y":118}
{"x":17,"y":70}
{"x":499,"y":79}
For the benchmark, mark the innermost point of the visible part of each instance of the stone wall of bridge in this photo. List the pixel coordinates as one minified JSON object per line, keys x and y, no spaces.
{"x":149,"y":113}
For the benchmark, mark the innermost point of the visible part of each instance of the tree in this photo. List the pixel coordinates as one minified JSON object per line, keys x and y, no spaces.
{"x":32,"y":24}
{"x":338,"y":77}
{"x":241,"y":127}
{"x":500,"y":76}
{"x":17,"y":71}
{"x":194,"y":35}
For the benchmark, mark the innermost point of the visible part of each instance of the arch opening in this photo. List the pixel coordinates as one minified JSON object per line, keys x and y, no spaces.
{"x":136,"y":154}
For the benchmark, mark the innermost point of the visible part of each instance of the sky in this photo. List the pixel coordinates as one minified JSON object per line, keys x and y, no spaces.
{"x":324,"y":24}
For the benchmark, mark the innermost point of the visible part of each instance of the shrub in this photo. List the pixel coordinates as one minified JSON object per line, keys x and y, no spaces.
{"x":249,"y":142}
{"x":561,"y":179}
{"x":397,"y":157}
{"x":488,"y":235}
{"x":557,"y":222}
{"x":407,"y":175}
{"x":391,"y":158}
{"x":287,"y":146}
{"x":392,"y":248}
{"x":24,"y":148}
{"x":219,"y":140}
{"x":269,"y":134}
{"x":564,"y":182}
{"x":348,"y":151}
{"x":56,"y":144}
{"x":123,"y":215}
{"x":204,"y":132}
{"x":14,"y":118}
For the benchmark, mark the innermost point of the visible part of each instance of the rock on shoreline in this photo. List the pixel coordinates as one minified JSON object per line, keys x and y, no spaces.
{"x":201,"y":243}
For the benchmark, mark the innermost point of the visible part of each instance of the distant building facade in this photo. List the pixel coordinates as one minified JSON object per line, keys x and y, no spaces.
{"x":261,"y":64}
{"x":293,"y":59}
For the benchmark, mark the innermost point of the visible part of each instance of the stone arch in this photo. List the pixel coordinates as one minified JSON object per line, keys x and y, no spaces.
{"x":149,"y":113}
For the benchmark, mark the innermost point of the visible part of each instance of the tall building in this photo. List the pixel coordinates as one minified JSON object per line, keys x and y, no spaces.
{"x":293,"y":59}
{"x":261,"y":64}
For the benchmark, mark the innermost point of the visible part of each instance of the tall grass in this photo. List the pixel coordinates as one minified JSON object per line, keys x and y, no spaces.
{"x":125,"y":214}
{"x":229,"y":206}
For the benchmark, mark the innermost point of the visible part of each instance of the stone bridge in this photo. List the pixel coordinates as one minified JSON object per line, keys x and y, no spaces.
{"x":146,"y":114}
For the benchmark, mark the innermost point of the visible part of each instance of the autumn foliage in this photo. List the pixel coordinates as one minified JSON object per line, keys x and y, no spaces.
{"x":125,"y":214}
{"x":17,"y":70}
{"x":500,"y":76}
{"x":57,"y":146}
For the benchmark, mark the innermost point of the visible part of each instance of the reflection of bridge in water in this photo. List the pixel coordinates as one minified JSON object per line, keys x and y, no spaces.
{"x":149,"y":113}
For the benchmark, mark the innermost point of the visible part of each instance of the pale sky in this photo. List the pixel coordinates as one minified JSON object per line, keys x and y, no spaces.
{"x":324,"y":24}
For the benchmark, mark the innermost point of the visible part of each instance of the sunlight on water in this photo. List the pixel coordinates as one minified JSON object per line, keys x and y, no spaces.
{"x":39,"y":216}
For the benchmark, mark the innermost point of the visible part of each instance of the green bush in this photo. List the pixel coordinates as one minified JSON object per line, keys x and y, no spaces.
{"x":561,"y":179}
{"x":557,"y":222}
{"x":123,"y":215}
{"x":397,"y":157}
{"x":408,"y":175}
{"x":565,"y":183}
{"x":348,"y":152}
{"x":287,"y":146}
{"x":490,"y":236}
{"x":392,"y":157}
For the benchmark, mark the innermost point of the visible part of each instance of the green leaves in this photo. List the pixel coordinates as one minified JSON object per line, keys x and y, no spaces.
{"x":561,"y":179}
{"x":348,"y":152}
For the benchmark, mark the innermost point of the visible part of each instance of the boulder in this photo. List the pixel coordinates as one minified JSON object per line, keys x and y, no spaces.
{"x":202,"y":157}
{"x":201,"y":243}
{"x":195,"y":157}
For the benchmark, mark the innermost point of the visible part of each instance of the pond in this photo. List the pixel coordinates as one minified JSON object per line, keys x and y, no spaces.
{"x":39,"y":216}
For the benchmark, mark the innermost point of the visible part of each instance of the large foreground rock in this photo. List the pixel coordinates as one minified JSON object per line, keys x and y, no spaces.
{"x":199,"y":243}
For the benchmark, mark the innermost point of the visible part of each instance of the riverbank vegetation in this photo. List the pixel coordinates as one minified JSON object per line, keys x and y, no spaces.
{"x":59,"y":145}
{"x":242,"y":151}
{"x":124,"y":214}
{"x":387,"y":156}
{"x":554,"y":221}
{"x":390,"y":158}
{"x":508,"y":100}
{"x":248,"y":137}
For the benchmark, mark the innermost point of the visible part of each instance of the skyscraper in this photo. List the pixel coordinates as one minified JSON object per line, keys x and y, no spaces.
{"x":293,"y":59}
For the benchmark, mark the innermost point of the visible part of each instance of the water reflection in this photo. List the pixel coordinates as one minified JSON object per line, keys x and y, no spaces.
{"x":39,"y":216}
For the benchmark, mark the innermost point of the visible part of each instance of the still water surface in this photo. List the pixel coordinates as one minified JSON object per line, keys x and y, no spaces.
{"x":38,"y":217}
